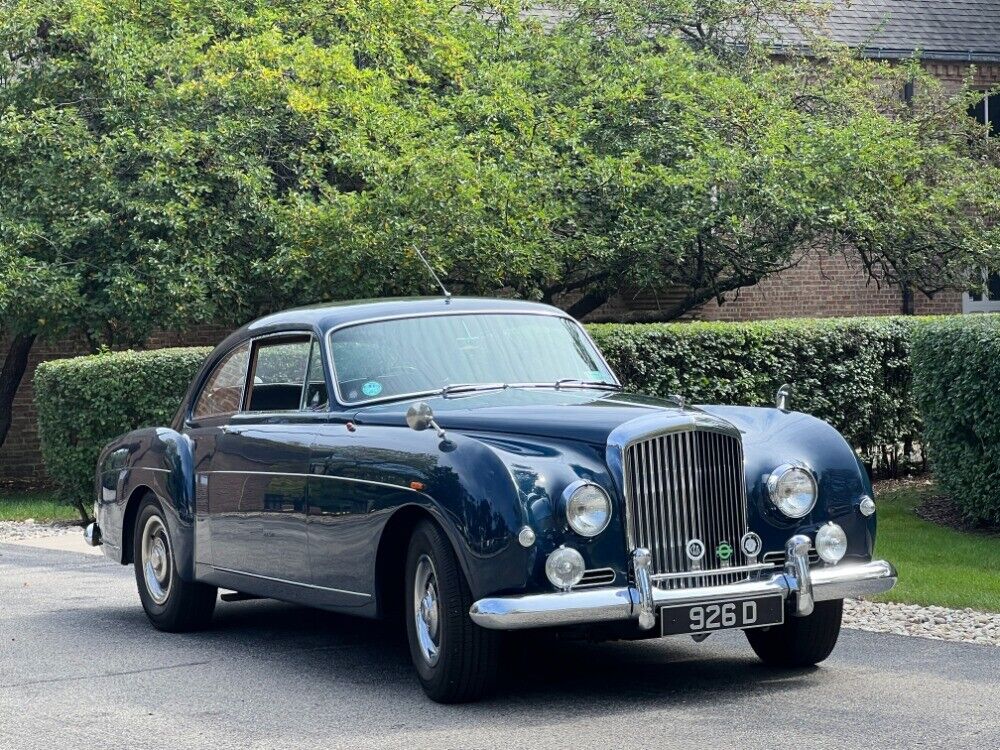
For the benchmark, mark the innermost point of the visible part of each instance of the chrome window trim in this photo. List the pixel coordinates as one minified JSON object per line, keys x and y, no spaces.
{"x":302,"y":333}
{"x":405,"y":316}
{"x":191,"y":418}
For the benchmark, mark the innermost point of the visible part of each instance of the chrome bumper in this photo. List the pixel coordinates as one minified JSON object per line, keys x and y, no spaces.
{"x":92,"y":535}
{"x":798,"y":582}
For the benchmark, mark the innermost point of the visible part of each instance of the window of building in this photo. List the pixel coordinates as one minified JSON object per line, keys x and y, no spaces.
{"x":984,"y":300}
{"x":987,"y":110}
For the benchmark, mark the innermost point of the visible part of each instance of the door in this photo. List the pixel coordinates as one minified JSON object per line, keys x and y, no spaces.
{"x":258,"y":476}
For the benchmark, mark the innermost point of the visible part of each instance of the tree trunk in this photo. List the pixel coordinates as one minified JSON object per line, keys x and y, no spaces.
{"x":14,"y":365}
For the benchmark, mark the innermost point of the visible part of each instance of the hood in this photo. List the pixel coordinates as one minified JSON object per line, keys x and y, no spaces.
{"x":582,"y":414}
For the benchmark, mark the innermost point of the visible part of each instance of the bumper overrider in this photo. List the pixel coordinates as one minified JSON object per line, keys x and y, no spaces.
{"x":798,"y":584}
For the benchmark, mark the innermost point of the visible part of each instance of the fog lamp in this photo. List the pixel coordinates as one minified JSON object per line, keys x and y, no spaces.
{"x":831,"y":543}
{"x":564,"y":568}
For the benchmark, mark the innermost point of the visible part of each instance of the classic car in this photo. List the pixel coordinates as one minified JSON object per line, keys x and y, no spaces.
{"x":472,"y":467}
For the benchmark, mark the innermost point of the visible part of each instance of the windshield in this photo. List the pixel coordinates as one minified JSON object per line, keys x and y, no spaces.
{"x":448,"y":352}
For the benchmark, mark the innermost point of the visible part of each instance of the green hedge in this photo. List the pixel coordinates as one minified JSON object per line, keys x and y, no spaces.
{"x":85,"y":402}
{"x":957,"y":387}
{"x":852,"y":372}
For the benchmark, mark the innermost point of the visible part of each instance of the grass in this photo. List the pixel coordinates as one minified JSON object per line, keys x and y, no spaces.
{"x":937,"y":565}
{"x":41,"y":505}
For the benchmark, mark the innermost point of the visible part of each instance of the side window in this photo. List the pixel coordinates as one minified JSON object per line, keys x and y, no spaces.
{"x":316,"y":398}
{"x":278,"y":372}
{"x":224,"y":387}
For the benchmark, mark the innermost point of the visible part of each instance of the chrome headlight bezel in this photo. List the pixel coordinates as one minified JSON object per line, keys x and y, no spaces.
{"x":781,"y":474}
{"x":572,"y":497}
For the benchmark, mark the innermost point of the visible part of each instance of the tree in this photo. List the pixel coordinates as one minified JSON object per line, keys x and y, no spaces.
{"x":163,"y":164}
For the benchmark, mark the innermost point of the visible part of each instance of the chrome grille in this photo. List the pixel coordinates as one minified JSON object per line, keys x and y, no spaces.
{"x":682,"y":486}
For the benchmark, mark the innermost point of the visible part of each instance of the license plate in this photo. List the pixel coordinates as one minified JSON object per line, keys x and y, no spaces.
{"x":710,"y":616}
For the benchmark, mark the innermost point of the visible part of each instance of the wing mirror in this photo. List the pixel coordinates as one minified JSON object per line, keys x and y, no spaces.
{"x":420,"y":416}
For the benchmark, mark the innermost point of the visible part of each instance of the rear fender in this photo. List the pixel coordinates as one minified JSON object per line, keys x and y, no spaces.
{"x":157,"y":461}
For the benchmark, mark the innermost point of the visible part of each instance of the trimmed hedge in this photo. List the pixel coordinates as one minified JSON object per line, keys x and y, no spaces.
{"x":85,"y":402}
{"x":957,"y":387}
{"x":851,"y":372}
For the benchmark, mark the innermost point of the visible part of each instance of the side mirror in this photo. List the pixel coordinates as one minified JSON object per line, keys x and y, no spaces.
{"x":420,"y":416}
{"x":782,"y":397}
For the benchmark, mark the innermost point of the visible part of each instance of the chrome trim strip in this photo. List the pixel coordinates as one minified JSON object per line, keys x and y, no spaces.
{"x":702,"y":574}
{"x":604,"y":576}
{"x":290,"y":583}
{"x":405,"y":316}
{"x":609,"y":604}
{"x":317,"y":476}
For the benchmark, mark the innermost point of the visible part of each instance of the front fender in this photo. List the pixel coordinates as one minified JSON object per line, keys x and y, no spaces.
{"x":772,"y":437}
{"x":157,"y":460}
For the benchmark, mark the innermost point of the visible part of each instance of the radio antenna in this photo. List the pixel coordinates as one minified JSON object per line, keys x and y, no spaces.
{"x":447,"y":294}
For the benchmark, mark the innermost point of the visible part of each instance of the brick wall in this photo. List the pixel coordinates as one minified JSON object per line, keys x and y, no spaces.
{"x":20,"y":457}
{"x":823,"y":286}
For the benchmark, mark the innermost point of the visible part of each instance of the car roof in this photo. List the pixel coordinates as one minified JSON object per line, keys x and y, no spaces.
{"x":326,"y":316}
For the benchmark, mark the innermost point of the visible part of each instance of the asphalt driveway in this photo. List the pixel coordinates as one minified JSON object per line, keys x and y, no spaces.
{"x":81,"y":668}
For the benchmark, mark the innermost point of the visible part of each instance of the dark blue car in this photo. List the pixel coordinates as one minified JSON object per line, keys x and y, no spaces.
{"x":473,"y":466}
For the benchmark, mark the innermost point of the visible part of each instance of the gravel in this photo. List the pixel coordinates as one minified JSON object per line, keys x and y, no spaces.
{"x":940,"y":623}
{"x":13,"y":531}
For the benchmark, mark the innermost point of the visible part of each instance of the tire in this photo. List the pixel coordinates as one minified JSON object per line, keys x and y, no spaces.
{"x":800,"y":641}
{"x":171,"y":603}
{"x":456,"y":660}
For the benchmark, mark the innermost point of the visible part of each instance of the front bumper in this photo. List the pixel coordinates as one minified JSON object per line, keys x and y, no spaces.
{"x":797,"y":582}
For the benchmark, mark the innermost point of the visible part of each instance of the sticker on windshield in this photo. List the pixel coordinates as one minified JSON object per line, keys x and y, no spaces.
{"x":371,"y":388}
{"x":596,"y":375}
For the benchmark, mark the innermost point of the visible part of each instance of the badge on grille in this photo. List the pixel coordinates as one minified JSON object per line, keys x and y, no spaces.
{"x":750,"y":544}
{"x":695,"y":550}
{"x":724,"y":551}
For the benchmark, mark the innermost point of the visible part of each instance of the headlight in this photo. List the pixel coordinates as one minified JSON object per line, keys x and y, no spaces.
{"x":564,"y":568}
{"x":588,"y":508}
{"x":792,"y":490}
{"x":831,"y":543}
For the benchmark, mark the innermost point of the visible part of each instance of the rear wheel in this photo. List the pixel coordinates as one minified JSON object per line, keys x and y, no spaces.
{"x":800,"y":641}
{"x":456,"y":660}
{"x":171,"y":603}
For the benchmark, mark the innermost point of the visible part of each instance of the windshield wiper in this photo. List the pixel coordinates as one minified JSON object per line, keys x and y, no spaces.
{"x":470,"y":387}
{"x":577,"y":383}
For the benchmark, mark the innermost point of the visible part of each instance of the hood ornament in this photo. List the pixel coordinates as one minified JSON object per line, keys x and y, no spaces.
{"x":679,"y":399}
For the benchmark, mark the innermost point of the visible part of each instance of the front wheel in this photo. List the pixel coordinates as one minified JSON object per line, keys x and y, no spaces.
{"x":800,"y":641}
{"x":456,"y":660}
{"x":171,"y":603}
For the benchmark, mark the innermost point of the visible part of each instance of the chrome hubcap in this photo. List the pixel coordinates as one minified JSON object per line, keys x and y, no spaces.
{"x":425,"y":610}
{"x":157,"y":562}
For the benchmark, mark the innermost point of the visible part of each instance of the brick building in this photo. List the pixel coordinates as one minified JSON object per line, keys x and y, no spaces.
{"x":955,"y":38}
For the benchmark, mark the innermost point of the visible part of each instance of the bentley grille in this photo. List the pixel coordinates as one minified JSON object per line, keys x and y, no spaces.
{"x":684,"y":486}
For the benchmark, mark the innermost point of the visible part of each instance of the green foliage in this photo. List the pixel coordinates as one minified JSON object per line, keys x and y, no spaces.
{"x":85,"y":402}
{"x":169,"y":163}
{"x":956,"y":369}
{"x":853,"y":373}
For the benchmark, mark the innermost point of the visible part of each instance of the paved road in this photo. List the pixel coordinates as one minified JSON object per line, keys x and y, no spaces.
{"x":81,"y":668}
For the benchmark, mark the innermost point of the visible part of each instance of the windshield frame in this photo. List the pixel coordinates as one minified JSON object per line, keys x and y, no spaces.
{"x":332,"y":365}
